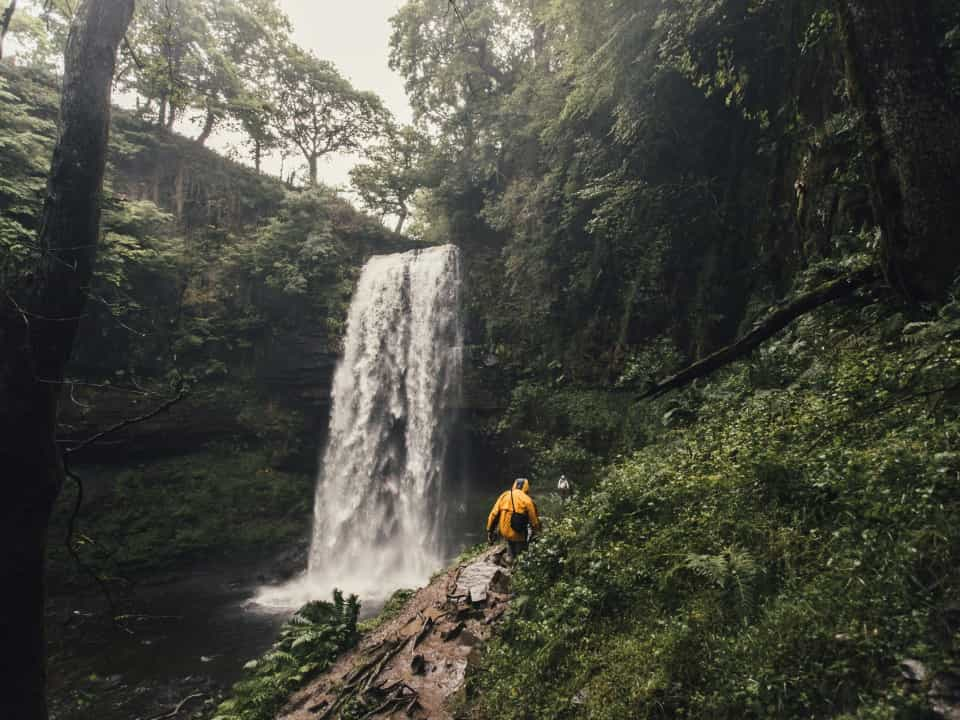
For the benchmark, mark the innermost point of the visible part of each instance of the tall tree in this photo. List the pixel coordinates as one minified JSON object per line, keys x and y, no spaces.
{"x":394,"y":171}
{"x":38,"y":323}
{"x":254,"y":107}
{"x":319,"y":112}
{"x":172,"y":41}
{"x":895,"y":80}
{"x":5,"y":18}
{"x":242,"y":44}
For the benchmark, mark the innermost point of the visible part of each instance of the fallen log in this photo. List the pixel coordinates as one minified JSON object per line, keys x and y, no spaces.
{"x":765,"y":329}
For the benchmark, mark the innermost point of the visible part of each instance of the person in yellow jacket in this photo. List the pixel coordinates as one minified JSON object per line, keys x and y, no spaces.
{"x":514,"y":515}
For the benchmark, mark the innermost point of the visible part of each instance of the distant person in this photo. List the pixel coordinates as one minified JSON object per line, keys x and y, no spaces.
{"x":564,"y":488}
{"x":514,"y":516}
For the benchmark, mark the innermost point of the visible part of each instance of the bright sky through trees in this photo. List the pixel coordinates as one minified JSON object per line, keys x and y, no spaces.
{"x":355,"y":37}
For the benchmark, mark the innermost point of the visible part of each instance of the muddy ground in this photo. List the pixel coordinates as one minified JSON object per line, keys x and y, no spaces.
{"x":414,"y":665}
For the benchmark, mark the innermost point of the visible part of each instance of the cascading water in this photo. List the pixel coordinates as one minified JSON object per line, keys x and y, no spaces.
{"x":381,"y":496}
{"x":379,"y":507}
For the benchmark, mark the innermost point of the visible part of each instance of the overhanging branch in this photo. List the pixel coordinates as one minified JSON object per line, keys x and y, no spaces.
{"x":163,"y":407}
{"x":765,"y":329}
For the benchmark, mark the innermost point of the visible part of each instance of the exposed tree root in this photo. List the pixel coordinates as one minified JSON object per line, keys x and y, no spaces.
{"x":765,"y":329}
{"x":176,"y":711}
{"x":360,"y":687}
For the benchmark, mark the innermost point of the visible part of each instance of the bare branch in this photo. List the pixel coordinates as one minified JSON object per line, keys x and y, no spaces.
{"x":71,"y":548}
{"x":163,"y":407}
{"x":176,"y":711}
{"x":774,"y":323}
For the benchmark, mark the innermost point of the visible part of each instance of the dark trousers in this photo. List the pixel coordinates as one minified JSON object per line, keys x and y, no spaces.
{"x":516,"y":547}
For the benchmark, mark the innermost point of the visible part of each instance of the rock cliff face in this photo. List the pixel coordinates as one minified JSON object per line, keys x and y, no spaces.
{"x":259,"y":357}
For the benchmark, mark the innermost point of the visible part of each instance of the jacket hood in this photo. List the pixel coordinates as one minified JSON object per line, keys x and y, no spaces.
{"x":521,"y":484}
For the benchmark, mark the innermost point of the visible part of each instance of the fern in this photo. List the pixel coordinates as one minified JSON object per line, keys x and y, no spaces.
{"x":733,"y":570}
{"x":308,"y":642}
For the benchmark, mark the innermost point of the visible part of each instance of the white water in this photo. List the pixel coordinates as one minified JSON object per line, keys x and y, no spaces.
{"x":380,"y":501}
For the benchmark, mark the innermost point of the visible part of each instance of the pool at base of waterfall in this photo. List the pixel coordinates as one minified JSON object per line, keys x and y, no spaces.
{"x":171,"y":641}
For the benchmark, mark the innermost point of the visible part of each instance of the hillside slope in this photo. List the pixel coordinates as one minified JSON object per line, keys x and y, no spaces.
{"x":788,"y":548}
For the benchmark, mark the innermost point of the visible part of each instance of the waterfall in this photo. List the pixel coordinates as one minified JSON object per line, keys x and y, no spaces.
{"x":381,"y":496}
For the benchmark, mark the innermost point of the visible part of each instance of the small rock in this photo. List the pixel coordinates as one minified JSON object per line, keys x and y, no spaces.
{"x":478,"y":594}
{"x":913,"y":670}
{"x":112,"y":681}
{"x":418,"y":665}
{"x":467,"y":613}
{"x":479,"y":573}
{"x":500,"y":583}
{"x":468,"y":639}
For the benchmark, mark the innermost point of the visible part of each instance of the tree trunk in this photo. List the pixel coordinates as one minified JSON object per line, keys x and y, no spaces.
{"x":208,"y":124}
{"x":400,"y":221}
{"x":914,"y":140}
{"x":257,"y":151}
{"x":38,"y":322}
{"x":162,"y":112}
{"x":178,"y":197}
{"x":5,"y":23}
{"x":312,"y":160}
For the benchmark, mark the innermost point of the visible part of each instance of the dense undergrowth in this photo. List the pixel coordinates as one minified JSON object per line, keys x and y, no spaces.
{"x":176,"y":512}
{"x":309,"y":642}
{"x":787,"y":541}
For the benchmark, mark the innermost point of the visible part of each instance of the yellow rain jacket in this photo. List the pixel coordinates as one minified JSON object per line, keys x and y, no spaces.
{"x":504,"y":507}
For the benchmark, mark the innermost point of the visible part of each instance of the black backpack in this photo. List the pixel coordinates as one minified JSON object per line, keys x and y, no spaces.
{"x":518,"y":521}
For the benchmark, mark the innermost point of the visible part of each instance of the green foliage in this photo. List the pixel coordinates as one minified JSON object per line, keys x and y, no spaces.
{"x":319,"y":111}
{"x":309,"y":642}
{"x":26,"y":139}
{"x":778,"y":557}
{"x":394,"y":171}
{"x":391,"y":608}
{"x":602,"y":165}
{"x":558,"y":429}
{"x":171,"y":513}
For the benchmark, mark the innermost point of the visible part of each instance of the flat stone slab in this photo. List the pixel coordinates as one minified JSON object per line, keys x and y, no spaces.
{"x":481,"y":574}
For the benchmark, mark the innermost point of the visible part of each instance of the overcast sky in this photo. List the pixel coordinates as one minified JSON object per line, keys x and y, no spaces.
{"x":355,"y":36}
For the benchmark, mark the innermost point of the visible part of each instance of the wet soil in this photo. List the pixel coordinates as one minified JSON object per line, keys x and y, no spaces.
{"x":414,"y":665}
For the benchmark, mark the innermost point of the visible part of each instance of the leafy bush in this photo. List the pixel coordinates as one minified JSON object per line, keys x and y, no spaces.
{"x":309,"y":643}
{"x":391,"y":608}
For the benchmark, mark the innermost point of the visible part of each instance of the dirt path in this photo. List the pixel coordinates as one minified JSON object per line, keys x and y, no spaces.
{"x":413,"y":665}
